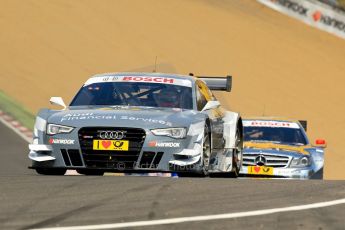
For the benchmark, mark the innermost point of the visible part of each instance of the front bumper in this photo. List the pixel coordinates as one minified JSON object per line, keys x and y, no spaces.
{"x":172,"y":156}
{"x":292,"y":173}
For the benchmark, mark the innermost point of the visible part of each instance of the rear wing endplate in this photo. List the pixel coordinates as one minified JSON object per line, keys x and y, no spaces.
{"x":218,"y":83}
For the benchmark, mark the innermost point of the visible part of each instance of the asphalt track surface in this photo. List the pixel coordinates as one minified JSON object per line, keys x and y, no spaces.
{"x":29,"y":201}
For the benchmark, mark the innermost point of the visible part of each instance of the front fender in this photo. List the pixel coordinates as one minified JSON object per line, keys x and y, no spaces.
{"x":40,"y":125}
{"x":232,"y":120}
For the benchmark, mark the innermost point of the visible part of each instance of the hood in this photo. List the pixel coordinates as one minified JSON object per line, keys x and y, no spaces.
{"x":278,"y":147}
{"x":124,"y":116}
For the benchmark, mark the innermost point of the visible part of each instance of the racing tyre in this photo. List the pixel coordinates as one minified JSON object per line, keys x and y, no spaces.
{"x":318,"y":175}
{"x":206,"y":146}
{"x":206,"y":150}
{"x":51,"y":171}
{"x":236,"y":158}
{"x":237,"y":155}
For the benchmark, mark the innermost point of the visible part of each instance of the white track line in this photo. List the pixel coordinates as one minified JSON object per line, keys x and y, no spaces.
{"x":201,"y":218}
{"x":6,"y":123}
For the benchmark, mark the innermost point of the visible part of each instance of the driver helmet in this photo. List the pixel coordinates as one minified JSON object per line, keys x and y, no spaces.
{"x":168,"y":97}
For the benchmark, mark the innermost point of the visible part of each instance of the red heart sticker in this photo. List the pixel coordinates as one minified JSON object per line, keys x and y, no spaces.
{"x":257,"y":169}
{"x":106,"y":144}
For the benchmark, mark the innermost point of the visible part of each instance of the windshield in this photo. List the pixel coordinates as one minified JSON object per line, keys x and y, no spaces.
{"x":135,"y":94}
{"x":281,"y":135}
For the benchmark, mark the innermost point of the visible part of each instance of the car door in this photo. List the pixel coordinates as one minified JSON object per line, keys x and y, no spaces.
{"x":215,"y":115}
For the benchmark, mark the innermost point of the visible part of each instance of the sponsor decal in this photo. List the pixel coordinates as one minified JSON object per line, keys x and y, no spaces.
{"x":92,"y":116}
{"x":61,"y":141}
{"x":164,"y":144}
{"x":131,"y":118}
{"x":293,"y":6}
{"x":260,"y":170}
{"x":318,"y":16}
{"x":312,"y":13}
{"x":116,"y":135}
{"x":273,"y":124}
{"x":86,"y":116}
{"x":150,"y":79}
{"x":115,"y":145}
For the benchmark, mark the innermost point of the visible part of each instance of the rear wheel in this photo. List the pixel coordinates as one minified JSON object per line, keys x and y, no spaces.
{"x":51,"y":171}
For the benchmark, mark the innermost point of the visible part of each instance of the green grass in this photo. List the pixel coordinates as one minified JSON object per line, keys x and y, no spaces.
{"x":16,"y":110}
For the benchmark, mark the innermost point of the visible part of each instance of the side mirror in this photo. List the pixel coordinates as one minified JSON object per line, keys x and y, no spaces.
{"x":211,"y":105}
{"x":321,"y":143}
{"x":57,"y":101}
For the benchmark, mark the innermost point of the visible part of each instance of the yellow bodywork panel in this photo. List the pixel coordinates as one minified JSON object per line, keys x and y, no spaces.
{"x":300,"y":149}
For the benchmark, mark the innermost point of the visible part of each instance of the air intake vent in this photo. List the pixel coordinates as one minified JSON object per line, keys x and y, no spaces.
{"x":74,"y":155}
{"x":71,"y":157}
{"x":150,"y":159}
{"x":65,"y":157}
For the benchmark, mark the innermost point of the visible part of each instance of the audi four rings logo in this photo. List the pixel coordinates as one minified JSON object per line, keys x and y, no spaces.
{"x":115,"y":135}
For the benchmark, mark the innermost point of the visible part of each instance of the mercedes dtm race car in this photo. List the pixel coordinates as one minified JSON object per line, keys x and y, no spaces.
{"x":280,"y":148}
{"x":140,"y":122}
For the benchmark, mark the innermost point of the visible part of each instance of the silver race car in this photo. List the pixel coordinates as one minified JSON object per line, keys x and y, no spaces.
{"x":140,"y":122}
{"x":279,"y":147}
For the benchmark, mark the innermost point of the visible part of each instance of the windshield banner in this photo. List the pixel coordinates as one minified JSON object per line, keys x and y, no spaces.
{"x":149,"y":79}
{"x":273,"y":124}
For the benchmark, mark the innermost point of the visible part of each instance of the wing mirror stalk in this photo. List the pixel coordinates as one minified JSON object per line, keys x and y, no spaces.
{"x":321,"y":143}
{"x":57,"y":101}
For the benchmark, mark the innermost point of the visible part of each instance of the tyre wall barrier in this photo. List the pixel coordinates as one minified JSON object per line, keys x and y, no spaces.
{"x":312,"y":13}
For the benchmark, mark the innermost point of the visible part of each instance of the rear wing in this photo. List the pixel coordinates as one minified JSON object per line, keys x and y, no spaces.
{"x":218,"y":83}
{"x":304,"y":124}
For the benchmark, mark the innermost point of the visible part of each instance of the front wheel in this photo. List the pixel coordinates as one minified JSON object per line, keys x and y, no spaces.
{"x":206,"y":150}
{"x":205,"y":157}
{"x":51,"y":171}
{"x":237,"y":154}
{"x":236,"y":157}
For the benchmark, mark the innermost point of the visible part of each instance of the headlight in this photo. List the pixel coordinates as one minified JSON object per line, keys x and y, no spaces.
{"x":178,"y":133}
{"x":55,"y":129}
{"x":301,"y":162}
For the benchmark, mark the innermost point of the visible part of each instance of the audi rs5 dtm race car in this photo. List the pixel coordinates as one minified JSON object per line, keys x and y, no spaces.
{"x":276,"y":147}
{"x":140,"y":122}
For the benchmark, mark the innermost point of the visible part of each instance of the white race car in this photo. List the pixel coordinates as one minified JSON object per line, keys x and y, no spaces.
{"x":278,"y":147}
